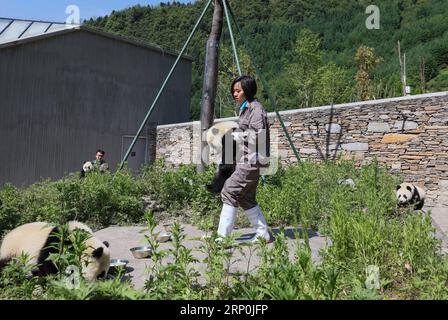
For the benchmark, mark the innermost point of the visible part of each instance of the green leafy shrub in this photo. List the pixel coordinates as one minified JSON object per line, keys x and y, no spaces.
{"x":176,"y":279}
{"x":11,"y":207}
{"x":181,"y":190}
{"x":15,"y":282}
{"x":98,"y":199}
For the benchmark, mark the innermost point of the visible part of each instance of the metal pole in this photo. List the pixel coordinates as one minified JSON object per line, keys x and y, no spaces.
{"x":163,"y":86}
{"x":210,"y":82}
{"x":231,"y":36}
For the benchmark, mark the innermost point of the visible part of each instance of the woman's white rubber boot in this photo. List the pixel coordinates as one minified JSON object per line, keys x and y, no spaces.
{"x":258,"y":221}
{"x":227,"y":220}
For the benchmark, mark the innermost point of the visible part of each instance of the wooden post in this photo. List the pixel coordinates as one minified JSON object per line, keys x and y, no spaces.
{"x":422,"y":75}
{"x":402,"y":69}
{"x":210,"y":79}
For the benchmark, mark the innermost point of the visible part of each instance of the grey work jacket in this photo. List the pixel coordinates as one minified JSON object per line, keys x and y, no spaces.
{"x":253,"y":121}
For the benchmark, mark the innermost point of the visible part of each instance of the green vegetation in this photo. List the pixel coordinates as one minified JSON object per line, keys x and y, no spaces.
{"x":15,"y":282}
{"x":277,"y":31}
{"x":97,"y":199}
{"x":363,"y":223}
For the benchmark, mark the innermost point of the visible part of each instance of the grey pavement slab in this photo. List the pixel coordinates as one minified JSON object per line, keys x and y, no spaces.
{"x":439,"y":217}
{"x":121,"y":239}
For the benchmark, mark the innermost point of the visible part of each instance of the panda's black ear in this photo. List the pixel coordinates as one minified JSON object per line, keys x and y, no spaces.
{"x":215,"y":131}
{"x":409,"y":188}
{"x":106,"y":243}
{"x":84,"y":162}
{"x":98,"y":252}
{"x":398,"y":187}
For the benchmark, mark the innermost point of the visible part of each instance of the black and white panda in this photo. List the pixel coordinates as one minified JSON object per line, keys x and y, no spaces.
{"x":36,"y":238}
{"x":220,"y":139}
{"x":86,"y":167}
{"x":410,"y":194}
{"x":89,"y":166}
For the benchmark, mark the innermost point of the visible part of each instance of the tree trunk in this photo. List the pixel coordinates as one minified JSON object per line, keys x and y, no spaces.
{"x":402,"y":69}
{"x":422,"y":75}
{"x":210,"y":81}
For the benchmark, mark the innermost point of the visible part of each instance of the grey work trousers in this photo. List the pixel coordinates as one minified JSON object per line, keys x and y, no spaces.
{"x":241,"y":188}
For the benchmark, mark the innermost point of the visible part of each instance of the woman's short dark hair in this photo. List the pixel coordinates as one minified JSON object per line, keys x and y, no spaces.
{"x":249,"y":86}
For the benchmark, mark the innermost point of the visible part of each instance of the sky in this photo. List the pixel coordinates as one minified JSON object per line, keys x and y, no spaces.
{"x":55,"y":10}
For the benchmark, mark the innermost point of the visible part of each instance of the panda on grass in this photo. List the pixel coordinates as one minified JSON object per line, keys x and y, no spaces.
{"x":220,"y":138}
{"x":37,"y":240}
{"x":410,"y":194}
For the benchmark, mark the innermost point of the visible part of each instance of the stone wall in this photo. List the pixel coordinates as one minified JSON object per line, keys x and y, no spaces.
{"x":408,"y":135}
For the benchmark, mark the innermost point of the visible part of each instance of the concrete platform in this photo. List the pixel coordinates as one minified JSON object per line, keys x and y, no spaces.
{"x":439,"y":217}
{"x":121,"y":239}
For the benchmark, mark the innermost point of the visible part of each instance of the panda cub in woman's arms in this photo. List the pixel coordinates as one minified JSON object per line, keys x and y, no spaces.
{"x":221,"y":140}
{"x":410,"y":194}
{"x":37,"y":240}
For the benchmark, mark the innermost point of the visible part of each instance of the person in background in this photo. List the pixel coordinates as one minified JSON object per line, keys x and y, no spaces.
{"x":99,"y":163}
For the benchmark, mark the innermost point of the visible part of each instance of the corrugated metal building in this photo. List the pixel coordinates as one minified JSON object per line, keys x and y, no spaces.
{"x":67,"y":90}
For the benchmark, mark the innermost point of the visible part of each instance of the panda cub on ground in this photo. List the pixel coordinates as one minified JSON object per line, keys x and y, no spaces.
{"x":36,"y":239}
{"x":219,"y":138}
{"x":410,"y":194}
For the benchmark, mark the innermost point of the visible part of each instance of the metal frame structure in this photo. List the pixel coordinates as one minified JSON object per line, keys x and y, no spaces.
{"x":229,"y":17}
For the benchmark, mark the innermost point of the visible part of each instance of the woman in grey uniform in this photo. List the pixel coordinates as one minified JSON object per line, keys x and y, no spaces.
{"x":240,"y":189}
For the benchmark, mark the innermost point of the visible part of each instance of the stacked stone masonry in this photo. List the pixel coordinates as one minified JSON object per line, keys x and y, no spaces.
{"x":407,"y":135}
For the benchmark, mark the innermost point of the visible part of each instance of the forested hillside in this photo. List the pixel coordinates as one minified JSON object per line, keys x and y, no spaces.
{"x":311,"y":52}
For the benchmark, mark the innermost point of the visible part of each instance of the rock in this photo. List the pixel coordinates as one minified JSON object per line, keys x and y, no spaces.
{"x":308,"y":151}
{"x":378,"y":127}
{"x":347,"y":182}
{"x":397,"y":138}
{"x":396,"y":166}
{"x":443,"y":185}
{"x":408,"y":125}
{"x":335,"y":128}
{"x":355,"y":146}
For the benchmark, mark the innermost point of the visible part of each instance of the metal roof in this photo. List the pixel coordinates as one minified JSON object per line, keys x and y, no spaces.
{"x":12,"y":30}
{"x":17,"y":31}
